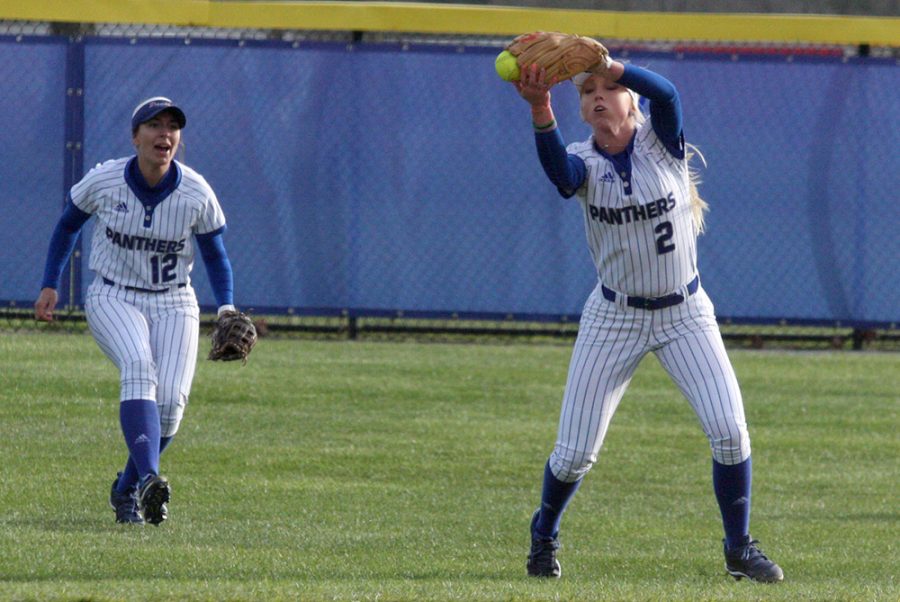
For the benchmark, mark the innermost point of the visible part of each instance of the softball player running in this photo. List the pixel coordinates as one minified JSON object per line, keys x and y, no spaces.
{"x":642,"y":217}
{"x":141,"y":307}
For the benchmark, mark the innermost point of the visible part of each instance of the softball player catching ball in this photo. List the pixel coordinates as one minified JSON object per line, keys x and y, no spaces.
{"x":642,"y":217}
{"x":141,"y":309}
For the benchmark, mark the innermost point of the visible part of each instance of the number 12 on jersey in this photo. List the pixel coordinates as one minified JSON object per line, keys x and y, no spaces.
{"x":163,"y":267}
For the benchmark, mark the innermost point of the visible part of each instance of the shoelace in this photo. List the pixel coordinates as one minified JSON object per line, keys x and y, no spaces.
{"x":751,"y":552}
{"x":128,"y":506}
{"x":544,"y":550}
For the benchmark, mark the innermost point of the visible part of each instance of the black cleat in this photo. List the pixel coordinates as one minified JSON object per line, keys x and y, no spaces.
{"x":542,"y":560}
{"x":748,"y":561}
{"x":152,"y":496}
{"x":125,"y":505}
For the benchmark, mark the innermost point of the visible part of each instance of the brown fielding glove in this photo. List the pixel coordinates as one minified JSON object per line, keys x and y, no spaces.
{"x":233,"y":337}
{"x":561,"y":55}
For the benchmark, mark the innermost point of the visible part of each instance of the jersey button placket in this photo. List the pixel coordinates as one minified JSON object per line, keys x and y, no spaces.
{"x":626,"y":183}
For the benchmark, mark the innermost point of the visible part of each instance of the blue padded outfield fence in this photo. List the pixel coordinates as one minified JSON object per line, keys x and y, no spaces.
{"x":385,"y":179}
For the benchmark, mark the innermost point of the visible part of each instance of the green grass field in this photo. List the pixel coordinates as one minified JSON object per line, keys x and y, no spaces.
{"x":407,"y":471}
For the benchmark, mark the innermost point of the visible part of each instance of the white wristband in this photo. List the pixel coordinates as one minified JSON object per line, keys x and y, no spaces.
{"x":225,"y":308}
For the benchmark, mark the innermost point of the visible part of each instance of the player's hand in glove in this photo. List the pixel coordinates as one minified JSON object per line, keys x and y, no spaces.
{"x":533,"y":86}
{"x":233,"y":337}
{"x":560,"y":55}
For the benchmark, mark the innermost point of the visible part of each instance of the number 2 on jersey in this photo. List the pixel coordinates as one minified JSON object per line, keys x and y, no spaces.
{"x":665,"y":232}
{"x":163,"y":267}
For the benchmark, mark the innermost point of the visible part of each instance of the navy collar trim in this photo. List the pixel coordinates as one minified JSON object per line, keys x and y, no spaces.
{"x":151,"y":196}
{"x":621,"y":161}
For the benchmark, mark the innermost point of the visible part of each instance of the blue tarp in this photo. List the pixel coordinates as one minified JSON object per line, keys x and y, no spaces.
{"x":379,"y":177}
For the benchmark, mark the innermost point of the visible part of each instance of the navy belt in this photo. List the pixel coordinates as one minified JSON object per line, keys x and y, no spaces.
{"x":142,"y":290}
{"x":652,"y":303}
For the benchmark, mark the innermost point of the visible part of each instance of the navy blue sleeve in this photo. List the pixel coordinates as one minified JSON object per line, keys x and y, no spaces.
{"x":218,"y":267}
{"x":65,"y":235}
{"x":566,"y":171}
{"x":665,"y":105}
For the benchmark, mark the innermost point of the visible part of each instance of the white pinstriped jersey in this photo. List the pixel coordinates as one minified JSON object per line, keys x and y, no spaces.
{"x":642,"y":238}
{"x":130,"y":249}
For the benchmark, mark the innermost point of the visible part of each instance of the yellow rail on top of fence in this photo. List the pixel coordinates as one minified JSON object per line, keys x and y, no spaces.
{"x":466,"y":19}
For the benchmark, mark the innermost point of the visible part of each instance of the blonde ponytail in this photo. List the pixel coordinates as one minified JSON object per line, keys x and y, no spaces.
{"x":699,"y":207}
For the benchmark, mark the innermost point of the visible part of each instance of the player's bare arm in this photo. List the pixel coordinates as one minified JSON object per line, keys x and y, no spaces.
{"x":535,"y":89}
{"x":45,"y":304}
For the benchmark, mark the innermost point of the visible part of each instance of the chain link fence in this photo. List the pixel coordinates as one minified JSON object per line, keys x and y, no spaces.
{"x":383,"y":183}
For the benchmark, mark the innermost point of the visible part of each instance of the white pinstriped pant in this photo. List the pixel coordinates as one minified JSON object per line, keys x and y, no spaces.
{"x":152,"y":339}
{"x":612,"y":340}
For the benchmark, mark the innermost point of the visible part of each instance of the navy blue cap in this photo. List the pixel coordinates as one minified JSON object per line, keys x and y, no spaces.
{"x":150,"y":108}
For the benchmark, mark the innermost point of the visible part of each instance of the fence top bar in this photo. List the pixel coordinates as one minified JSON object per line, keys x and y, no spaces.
{"x":460,"y":19}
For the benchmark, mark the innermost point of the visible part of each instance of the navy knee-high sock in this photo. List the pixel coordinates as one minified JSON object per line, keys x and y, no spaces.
{"x":129,"y":477}
{"x":732,"y":485}
{"x":555,"y":496}
{"x":140,"y":425}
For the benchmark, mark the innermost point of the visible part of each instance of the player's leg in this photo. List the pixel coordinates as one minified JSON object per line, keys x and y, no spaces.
{"x":695,"y":357}
{"x":610,"y":344}
{"x":127,"y":480}
{"x":597,"y":381}
{"x":174,"y":338}
{"x":698,"y":364}
{"x":122,"y":333}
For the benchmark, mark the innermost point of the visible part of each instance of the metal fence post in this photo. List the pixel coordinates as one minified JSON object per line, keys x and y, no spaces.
{"x":73,"y":161}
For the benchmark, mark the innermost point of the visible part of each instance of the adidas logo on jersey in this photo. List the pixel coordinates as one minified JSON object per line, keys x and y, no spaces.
{"x":122,"y":207}
{"x":608,"y":178}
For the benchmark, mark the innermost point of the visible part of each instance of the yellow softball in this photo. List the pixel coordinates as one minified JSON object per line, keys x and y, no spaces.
{"x":506,"y":66}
